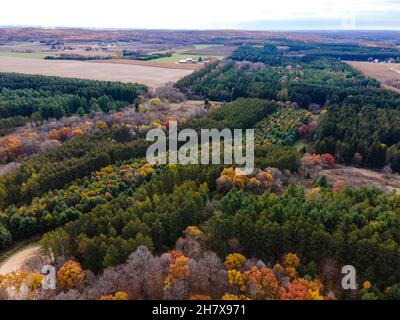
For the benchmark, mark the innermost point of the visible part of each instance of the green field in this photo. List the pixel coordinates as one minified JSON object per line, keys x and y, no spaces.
{"x":196,"y":47}
{"x":205,"y":46}
{"x":23,"y":55}
{"x":183,"y":50}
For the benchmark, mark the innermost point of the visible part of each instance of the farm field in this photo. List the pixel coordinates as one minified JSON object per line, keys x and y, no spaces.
{"x":151,"y":76}
{"x":151,"y":63}
{"x":380,"y":71}
{"x":23,"y":55}
{"x":196,"y":51}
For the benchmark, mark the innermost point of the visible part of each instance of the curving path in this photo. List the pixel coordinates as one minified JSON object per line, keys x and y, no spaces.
{"x":18,"y":259}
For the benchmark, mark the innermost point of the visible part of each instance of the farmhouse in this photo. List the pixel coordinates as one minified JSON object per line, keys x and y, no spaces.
{"x":188,"y":60}
{"x":192,"y":61}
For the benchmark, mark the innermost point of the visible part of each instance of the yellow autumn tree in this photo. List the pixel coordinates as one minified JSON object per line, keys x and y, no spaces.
{"x":100,"y":124}
{"x":290,"y":262}
{"x":235,"y":261}
{"x":70,"y":275}
{"x":238,"y":279}
{"x":155,"y":101}
{"x":35,"y":281}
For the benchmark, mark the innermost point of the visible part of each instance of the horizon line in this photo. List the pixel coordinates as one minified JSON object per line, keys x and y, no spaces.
{"x":197,"y":29}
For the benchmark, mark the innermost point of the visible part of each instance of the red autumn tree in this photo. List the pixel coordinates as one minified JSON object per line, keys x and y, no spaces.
{"x":328,"y":159}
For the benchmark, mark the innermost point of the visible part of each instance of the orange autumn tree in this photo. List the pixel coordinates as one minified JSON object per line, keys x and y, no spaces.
{"x":77,"y":132}
{"x":178,"y":269}
{"x":12,"y":147}
{"x":262,"y":179}
{"x":54,"y":135}
{"x":263,"y":283}
{"x":70,"y":275}
{"x":301,"y":289}
{"x":65,"y":133}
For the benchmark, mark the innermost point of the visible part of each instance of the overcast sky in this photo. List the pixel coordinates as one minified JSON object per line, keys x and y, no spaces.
{"x":204,"y":14}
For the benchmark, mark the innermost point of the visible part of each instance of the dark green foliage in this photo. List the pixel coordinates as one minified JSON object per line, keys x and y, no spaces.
{"x":24,"y":97}
{"x":240,"y":114}
{"x":82,"y":88}
{"x":360,"y":227}
{"x":322,"y":182}
{"x":5,"y":237}
{"x":369,"y":131}
{"x":155,"y":215}
{"x":281,"y":157}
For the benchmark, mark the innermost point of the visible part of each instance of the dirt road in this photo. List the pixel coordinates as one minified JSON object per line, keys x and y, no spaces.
{"x":359,"y":177}
{"x":17,"y":260}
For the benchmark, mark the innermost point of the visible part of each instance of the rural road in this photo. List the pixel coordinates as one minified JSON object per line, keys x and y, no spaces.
{"x":18,"y":259}
{"x":395,"y":70}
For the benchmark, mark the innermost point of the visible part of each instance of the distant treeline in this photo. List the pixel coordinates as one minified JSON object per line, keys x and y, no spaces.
{"x":285,"y":51}
{"x":77,"y":57}
{"x":138,"y":55}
